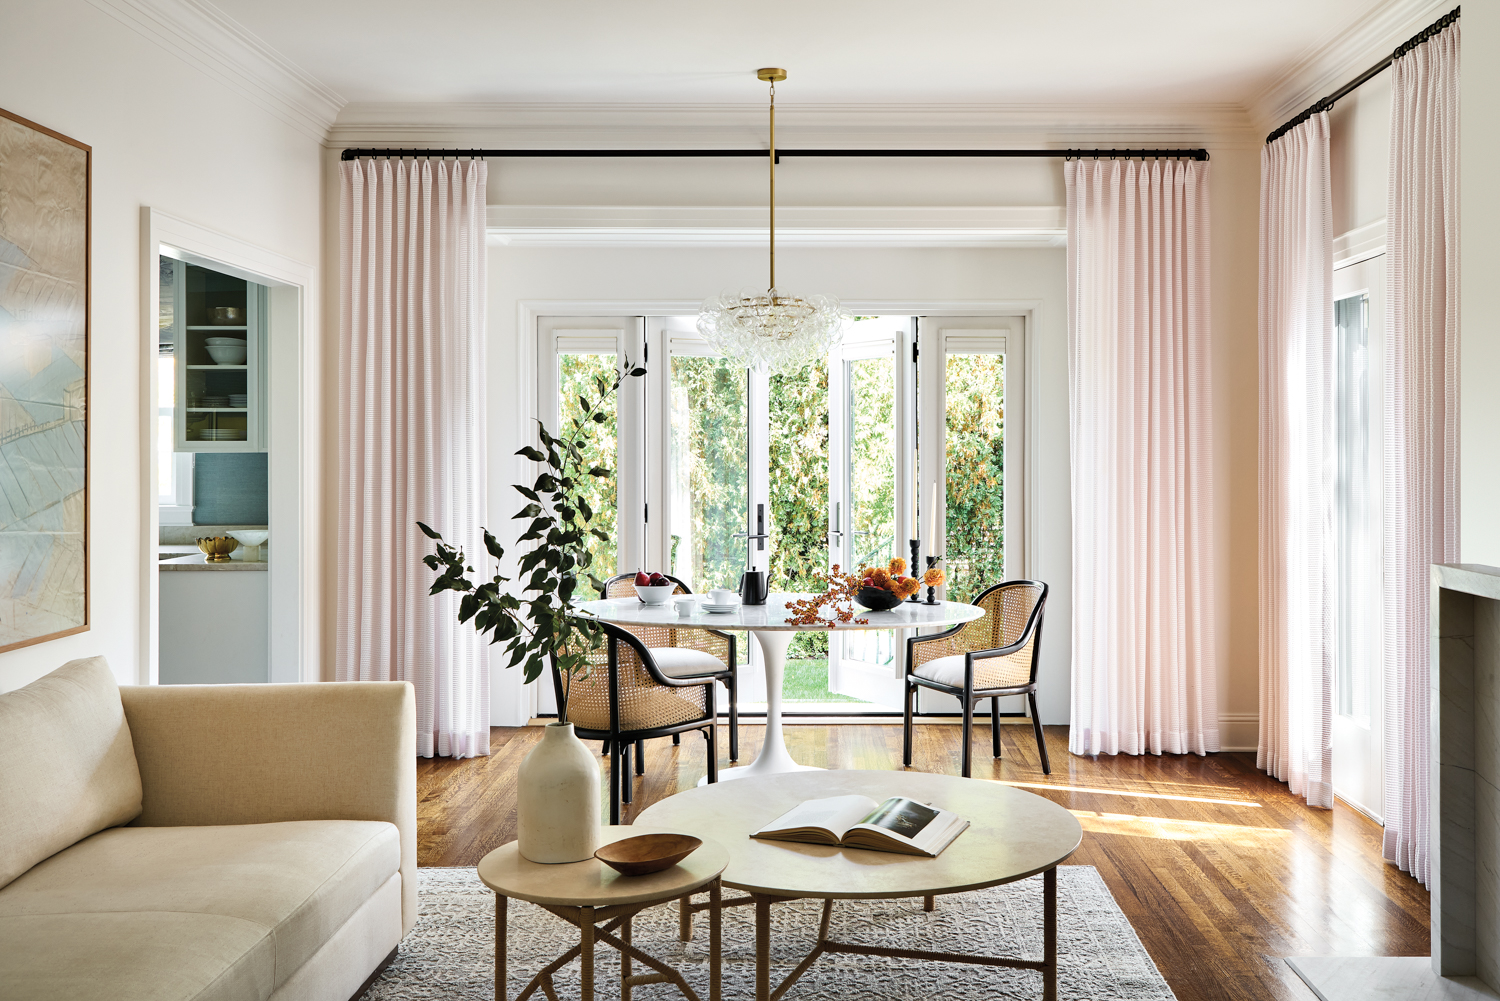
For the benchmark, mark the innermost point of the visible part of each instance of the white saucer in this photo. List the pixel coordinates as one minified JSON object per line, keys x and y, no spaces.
{"x":719,"y":608}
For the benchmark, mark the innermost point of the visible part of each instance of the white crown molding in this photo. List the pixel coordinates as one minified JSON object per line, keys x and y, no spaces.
{"x":739,"y":226}
{"x":738,"y":126}
{"x":1340,"y":56}
{"x":212,"y":42}
{"x":1359,"y":244}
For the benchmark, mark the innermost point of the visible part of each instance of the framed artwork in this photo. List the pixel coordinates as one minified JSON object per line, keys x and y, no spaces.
{"x":45,"y":185}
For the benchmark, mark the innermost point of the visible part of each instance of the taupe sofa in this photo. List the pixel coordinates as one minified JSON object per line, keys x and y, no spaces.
{"x":203,"y":842}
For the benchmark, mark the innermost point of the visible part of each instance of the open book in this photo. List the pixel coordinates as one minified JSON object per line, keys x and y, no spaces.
{"x":897,"y":825}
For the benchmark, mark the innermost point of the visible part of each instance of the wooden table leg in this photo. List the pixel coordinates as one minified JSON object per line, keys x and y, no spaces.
{"x":1049,"y":935}
{"x":685,"y":918}
{"x":714,"y":910}
{"x":625,"y":959}
{"x":501,"y":987}
{"x":586,"y":957}
{"x":929,"y":902}
{"x":762,"y":947}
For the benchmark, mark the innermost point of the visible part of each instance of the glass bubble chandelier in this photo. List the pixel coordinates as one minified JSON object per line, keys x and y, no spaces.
{"x":772,"y":331}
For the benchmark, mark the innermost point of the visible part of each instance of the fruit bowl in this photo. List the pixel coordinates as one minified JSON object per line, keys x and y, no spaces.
{"x":655,"y":595}
{"x":647,"y":853}
{"x":877,"y":599}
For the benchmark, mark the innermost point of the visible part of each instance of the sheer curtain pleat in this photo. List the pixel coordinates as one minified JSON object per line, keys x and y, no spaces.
{"x":1421,"y":419}
{"x":411,"y":434}
{"x":1144,"y":661}
{"x":1298,"y":463}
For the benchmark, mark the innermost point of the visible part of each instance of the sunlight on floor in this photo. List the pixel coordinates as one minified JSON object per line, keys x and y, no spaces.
{"x":1160,"y":828}
{"x":1128,"y":792}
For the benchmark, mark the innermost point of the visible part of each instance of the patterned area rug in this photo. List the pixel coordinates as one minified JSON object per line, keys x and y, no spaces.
{"x":450,"y":953}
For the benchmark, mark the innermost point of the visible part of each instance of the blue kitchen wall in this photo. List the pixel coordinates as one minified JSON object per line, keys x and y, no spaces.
{"x":229,"y":488}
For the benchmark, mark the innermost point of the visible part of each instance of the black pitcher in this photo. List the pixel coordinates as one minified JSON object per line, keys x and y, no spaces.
{"x":754,"y":586}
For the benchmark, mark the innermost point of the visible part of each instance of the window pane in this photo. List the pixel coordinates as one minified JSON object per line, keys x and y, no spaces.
{"x":577,"y":376}
{"x":1355,"y":513}
{"x":975,"y":435}
{"x":707,"y":472}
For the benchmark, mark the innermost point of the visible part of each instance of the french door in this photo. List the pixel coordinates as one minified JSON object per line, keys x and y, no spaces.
{"x":1359,"y":311}
{"x":721,"y":469}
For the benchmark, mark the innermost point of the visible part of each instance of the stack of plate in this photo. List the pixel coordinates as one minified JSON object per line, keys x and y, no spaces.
{"x":709,"y":606}
{"x":223,"y":434}
{"x":213,"y":401}
{"x":238,"y":400}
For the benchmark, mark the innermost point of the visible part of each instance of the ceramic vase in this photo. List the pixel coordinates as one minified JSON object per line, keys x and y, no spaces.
{"x":557,"y":806}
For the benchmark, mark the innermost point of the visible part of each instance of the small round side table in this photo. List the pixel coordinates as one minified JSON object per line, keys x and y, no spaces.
{"x":589,"y":892}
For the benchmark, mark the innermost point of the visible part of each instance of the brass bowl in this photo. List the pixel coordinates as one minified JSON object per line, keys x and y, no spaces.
{"x":647,"y":853}
{"x":218,"y":549}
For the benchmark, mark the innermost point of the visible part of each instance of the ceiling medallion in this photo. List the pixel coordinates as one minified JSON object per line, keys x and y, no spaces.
{"x":771,"y":330}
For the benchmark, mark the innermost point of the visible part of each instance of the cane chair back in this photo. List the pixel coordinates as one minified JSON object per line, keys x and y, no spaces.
{"x":1011,"y":611}
{"x":708,"y":641}
{"x":644,"y":703}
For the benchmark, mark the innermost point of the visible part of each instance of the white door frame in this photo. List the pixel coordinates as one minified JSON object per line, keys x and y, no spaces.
{"x":1027,"y":311}
{"x":293,"y":465}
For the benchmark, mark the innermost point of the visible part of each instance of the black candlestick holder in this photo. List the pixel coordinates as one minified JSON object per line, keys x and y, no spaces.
{"x":916,"y":547}
{"x":932,"y":561}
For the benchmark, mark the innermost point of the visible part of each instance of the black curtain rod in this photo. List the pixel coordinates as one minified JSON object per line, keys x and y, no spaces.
{"x":1068,"y":154}
{"x":1327,"y":103}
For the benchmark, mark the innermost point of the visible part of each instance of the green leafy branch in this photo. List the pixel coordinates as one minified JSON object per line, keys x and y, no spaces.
{"x":536,"y":626}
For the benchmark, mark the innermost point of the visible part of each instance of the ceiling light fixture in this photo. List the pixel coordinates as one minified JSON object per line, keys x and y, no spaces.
{"x":774,"y":332}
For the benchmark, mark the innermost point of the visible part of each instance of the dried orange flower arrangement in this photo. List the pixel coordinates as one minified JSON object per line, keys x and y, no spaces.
{"x":891,"y":578}
{"x":839,"y":597}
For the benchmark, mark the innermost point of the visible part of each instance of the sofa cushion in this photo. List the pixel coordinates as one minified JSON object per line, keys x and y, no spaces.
{"x":67,"y":767}
{"x":168,"y":913}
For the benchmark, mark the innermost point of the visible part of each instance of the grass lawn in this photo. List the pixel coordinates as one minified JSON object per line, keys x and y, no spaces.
{"x":807,"y":681}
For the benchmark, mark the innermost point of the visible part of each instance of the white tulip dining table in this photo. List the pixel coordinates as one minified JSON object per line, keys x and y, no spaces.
{"x":770,"y":625}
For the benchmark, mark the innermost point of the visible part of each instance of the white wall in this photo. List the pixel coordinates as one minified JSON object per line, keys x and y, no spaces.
{"x":1360,"y":155}
{"x":1480,"y":345}
{"x":164,"y":135}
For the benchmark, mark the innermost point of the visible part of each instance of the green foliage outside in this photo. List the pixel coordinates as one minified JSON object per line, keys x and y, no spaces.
{"x":975,"y":557}
{"x":708,"y":471}
{"x":799,"y":489}
{"x":578,"y":377}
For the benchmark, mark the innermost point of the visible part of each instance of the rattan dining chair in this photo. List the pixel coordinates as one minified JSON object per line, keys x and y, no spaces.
{"x":686,"y":653}
{"x":984,"y":659}
{"x":625,"y":697}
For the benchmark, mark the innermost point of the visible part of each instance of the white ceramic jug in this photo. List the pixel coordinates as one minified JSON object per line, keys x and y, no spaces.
{"x":557,"y":807}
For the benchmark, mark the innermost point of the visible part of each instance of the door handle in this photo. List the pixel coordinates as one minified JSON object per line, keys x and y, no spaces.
{"x":760,"y":535}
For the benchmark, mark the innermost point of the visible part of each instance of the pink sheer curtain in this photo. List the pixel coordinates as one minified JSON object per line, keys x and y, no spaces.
{"x":1298,"y":463}
{"x":411,"y":434}
{"x":1144,"y":663}
{"x":1421,"y":417}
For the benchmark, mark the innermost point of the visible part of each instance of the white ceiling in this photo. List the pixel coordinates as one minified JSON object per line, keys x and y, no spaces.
{"x":871,"y":51}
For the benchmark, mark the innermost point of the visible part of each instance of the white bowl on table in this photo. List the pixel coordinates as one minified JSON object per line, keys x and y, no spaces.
{"x":657,"y":595}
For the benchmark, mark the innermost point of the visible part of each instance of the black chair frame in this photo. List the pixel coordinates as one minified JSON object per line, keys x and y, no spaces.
{"x":619,"y":740}
{"x":729,"y":677}
{"x":970,"y":696}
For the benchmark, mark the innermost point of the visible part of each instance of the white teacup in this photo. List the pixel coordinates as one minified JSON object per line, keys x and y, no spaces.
{"x":723,"y":597}
{"x":685,"y":606}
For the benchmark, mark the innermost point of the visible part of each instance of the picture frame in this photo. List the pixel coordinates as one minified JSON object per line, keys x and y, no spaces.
{"x":46,"y":237}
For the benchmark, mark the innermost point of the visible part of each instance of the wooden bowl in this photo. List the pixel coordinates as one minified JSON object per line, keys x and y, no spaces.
{"x":877,"y":599}
{"x":647,"y":853}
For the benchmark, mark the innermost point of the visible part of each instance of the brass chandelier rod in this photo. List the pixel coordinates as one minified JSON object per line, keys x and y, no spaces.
{"x":771,"y":75}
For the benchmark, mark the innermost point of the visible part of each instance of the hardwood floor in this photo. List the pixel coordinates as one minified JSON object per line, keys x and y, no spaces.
{"x":1219,"y":868}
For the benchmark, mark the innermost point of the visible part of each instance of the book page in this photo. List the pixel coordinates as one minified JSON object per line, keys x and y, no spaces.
{"x":902,"y":816}
{"x":834,"y":814}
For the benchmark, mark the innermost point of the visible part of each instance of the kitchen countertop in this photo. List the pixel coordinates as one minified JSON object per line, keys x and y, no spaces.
{"x":200,"y":562}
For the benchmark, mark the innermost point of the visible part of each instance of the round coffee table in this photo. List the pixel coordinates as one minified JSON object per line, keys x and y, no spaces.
{"x":1011,"y":835}
{"x":588,"y":892}
{"x":768,"y":624}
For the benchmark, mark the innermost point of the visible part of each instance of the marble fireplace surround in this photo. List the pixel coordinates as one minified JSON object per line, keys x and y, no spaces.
{"x":1465,"y":812}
